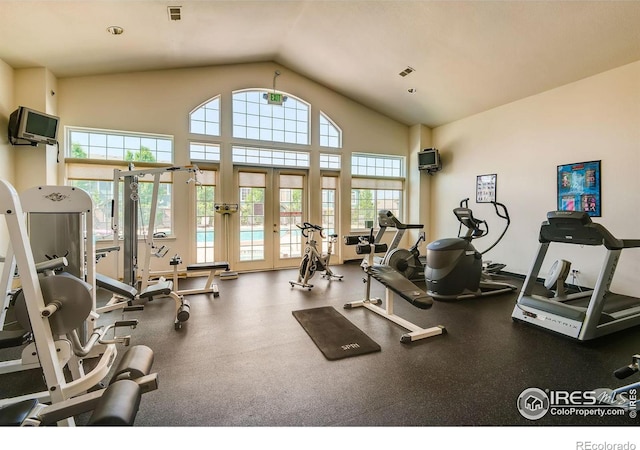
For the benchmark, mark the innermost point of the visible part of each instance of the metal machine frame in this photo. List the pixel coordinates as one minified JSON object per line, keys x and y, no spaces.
{"x":47,"y":343}
{"x":582,"y":315}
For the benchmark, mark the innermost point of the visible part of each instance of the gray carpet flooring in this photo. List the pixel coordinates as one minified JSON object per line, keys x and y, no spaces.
{"x":242,"y":360}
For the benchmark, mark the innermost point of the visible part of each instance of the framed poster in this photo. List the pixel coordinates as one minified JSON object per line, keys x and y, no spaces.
{"x":486,"y":188}
{"x":579,"y":188}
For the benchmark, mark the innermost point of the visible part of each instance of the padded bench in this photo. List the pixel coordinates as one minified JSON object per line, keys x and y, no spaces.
{"x":123,"y":296}
{"x":400,"y":285}
{"x":161,"y":288}
{"x":210,"y":287}
{"x":117,"y":287}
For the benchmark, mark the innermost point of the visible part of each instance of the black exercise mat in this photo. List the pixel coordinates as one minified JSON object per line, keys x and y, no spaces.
{"x":334,"y":334}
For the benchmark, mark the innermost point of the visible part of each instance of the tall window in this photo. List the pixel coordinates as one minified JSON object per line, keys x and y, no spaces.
{"x":291,"y":192}
{"x":377,"y":184}
{"x":254,"y":118}
{"x":205,"y":216}
{"x":252,"y":226}
{"x":329,"y":208}
{"x":92,"y":156}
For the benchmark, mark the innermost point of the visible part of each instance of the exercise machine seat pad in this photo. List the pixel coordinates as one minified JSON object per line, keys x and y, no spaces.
{"x":160,"y":288}
{"x":395,"y":281}
{"x":116,"y":286}
{"x":209,"y":266}
{"x":13,"y":415}
{"x":135,"y":363}
{"x":14,"y":338}
{"x":118,"y":405}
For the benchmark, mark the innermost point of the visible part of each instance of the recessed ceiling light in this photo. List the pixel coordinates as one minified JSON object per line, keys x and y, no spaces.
{"x":115,"y":30}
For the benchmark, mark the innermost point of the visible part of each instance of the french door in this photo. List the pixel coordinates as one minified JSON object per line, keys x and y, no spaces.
{"x":271,"y":202}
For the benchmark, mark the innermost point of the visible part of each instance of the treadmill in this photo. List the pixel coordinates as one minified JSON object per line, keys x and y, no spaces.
{"x":583,"y":315}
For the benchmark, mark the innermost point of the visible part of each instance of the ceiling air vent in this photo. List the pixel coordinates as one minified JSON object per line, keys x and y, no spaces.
{"x":174,"y":12}
{"x":407,"y":71}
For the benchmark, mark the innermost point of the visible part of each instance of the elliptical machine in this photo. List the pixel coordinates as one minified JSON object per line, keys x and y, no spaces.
{"x":454,"y":268}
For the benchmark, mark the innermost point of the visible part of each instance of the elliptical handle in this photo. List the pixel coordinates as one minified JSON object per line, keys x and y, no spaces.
{"x":503,"y":214}
{"x":502,"y":211}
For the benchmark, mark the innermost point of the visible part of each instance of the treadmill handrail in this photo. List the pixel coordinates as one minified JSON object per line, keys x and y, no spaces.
{"x":387,"y":219}
{"x":630,"y":243}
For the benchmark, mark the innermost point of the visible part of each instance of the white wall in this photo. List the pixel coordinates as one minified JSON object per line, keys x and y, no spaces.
{"x":597,"y":118}
{"x":160,"y":102}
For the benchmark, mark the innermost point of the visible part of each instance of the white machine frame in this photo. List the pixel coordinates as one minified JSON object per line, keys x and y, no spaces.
{"x":558,"y":314}
{"x":372,"y":304}
{"x":50,"y":353}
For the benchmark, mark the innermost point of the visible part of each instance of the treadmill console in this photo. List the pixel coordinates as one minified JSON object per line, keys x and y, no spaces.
{"x":576,"y":227}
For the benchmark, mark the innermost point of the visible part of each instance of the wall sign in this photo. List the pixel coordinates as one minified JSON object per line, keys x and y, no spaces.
{"x":486,"y":188}
{"x":579,"y":188}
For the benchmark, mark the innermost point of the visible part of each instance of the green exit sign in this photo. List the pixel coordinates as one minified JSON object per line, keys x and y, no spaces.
{"x":275,"y":98}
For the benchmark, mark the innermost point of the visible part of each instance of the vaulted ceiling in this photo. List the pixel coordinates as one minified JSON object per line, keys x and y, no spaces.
{"x":466,"y":56}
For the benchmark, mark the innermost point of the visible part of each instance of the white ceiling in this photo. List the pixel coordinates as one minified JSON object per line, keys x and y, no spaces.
{"x":468,"y":56}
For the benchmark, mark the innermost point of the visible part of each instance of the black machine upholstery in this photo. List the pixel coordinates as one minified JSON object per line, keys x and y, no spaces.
{"x":209,"y":266}
{"x":15,"y":338}
{"x":116,"y":286}
{"x":400,"y":285}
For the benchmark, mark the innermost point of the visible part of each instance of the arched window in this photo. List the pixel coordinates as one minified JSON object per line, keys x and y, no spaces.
{"x":330,"y":134}
{"x":255,"y":118}
{"x":205,"y":119}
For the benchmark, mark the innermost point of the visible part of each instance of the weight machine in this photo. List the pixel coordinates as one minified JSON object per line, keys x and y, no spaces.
{"x":162,"y":287}
{"x":60,"y":227}
{"x":53,"y":308}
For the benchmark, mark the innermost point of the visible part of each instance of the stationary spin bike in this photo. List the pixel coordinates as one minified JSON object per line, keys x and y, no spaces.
{"x":454,"y":268}
{"x":312,"y":260}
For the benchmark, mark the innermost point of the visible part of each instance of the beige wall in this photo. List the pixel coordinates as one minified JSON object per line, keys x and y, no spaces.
{"x":6,"y":108}
{"x":6,"y":149}
{"x":35,"y":88}
{"x":597,"y":118}
{"x":160,"y":102}
{"x":593,"y":119}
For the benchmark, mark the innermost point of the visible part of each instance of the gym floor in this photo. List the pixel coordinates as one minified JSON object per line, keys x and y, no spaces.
{"x":242,"y":360}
